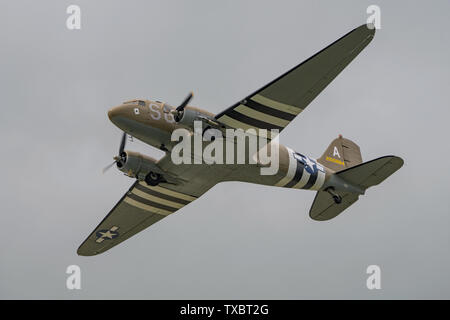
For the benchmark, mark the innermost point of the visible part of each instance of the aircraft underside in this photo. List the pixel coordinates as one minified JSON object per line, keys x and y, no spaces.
{"x":198,"y":153}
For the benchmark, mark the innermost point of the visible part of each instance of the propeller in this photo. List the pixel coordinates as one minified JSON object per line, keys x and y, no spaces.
{"x":178,"y":112}
{"x":121,"y":157}
{"x":122,"y":143}
{"x":185,"y":102}
{"x":108,"y":167}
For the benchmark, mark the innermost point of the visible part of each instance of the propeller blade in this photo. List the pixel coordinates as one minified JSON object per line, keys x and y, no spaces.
{"x":185,"y":102}
{"x":108,"y":167}
{"x":119,"y":157}
{"x":122,"y":143}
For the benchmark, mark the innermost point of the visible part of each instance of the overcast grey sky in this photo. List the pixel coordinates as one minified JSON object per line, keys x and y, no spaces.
{"x":235,"y":242}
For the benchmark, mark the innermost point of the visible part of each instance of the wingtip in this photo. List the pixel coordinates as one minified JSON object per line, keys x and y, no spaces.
{"x":85,"y":253}
{"x":371,"y":27}
{"x":81,"y":253}
{"x":366,"y":28}
{"x":400,"y":160}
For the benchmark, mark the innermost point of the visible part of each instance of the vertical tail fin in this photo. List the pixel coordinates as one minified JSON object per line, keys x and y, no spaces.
{"x":341,"y":154}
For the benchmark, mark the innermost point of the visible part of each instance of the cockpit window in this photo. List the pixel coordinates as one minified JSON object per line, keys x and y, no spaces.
{"x":136,"y":102}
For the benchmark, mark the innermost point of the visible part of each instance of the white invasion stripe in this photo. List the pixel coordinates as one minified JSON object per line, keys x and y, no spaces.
{"x":303,"y":180}
{"x":146,"y":207}
{"x":319,"y":182}
{"x":291,"y":170}
{"x":236,"y":124}
{"x":157,"y":199}
{"x":261,"y":116}
{"x":168,"y":192}
{"x":276,"y":105}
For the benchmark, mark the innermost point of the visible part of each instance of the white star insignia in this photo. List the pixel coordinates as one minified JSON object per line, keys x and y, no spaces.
{"x":107,"y":234}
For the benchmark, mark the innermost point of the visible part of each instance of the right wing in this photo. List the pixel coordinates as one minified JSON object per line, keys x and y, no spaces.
{"x":276,"y":104}
{"x":139,"y":208}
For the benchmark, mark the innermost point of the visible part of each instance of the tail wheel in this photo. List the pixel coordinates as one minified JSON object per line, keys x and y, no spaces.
{"x":337,"y":199}
{"x":153,"y":179}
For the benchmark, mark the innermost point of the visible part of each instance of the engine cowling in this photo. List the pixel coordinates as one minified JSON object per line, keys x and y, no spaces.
{"x":187,"y":118}
{"x":136,"y":165}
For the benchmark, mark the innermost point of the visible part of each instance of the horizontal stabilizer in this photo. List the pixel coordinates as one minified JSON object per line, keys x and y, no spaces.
{"x":324,"y":207}
{"x":364,"y":175}
{"x":372,"y":172}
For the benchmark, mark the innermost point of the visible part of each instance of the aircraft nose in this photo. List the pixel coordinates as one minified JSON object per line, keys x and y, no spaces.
{"x":117,"y":112}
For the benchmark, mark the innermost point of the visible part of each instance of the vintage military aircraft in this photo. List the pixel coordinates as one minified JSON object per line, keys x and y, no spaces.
{"x":161,"y":187}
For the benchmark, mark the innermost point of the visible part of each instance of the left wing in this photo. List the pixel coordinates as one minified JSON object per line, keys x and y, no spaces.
{"x":138,"y":209}
{"x":275,"y":105}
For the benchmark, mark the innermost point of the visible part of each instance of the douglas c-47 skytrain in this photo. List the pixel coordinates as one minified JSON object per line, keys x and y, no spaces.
{"x":162,"y":187}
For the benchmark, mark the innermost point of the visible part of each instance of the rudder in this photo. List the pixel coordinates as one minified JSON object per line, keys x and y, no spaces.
{"x":341,"y":154}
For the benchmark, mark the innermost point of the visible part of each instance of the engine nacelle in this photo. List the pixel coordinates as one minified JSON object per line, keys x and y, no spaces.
{"x":136,"y":165}
{"x":188,"y":117}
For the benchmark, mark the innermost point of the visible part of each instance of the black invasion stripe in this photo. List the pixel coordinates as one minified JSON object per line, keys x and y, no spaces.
{"x":311,"y":181}
{"x":270,"y":111}
{"x":252,"y":121}
{"x":297,"y":176}
{"x":160,"y":195}
{"x":151,"y":203}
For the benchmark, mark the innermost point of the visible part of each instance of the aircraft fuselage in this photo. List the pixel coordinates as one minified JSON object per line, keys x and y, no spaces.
{"x":152,"y":123}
